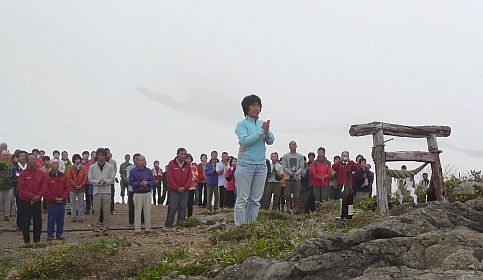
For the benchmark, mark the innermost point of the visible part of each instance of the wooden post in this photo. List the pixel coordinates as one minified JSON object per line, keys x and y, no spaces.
{"x":379,"y":157}
{"x":436,"y":170}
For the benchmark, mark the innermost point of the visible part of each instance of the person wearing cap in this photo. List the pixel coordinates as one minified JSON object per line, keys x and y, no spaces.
{"x":77,"y":176}
{"x":56,"y":192}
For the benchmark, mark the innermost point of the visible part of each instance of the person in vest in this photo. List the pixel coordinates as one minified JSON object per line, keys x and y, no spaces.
{"x":56,"y":192}
{"x":77,"y":177}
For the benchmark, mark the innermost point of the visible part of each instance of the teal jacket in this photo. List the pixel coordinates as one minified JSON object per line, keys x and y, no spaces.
{"x":252,"y":139}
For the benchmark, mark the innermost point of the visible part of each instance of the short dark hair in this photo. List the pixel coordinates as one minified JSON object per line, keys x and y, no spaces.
{"x":41,"y":151}
{"x":190,"y":156}
{"x":18,"y":152}
{"x":224,"y":153}
{"x":85,"y":153}
{"x":65,"y":152}
{"x":311,"y":154}
{"x":425,"y":174}
{"x":336,"y":157}
{"x":45,"y":158}
{"x":55,"y":152}
{"x":403,"y":167}
{"x":321,"y":149}
{"x":179,"y":150}
{"x":35,"y":151}
{"x":362,"y":159}
{"x":75,"y":157}
{"x":213,"y":152}
{"x":203,"y":155}
{"x":107,"y":149}
{"x":135,"y":155}
{"x":250,"y":100}
{"x":30,"y":154}
{"x":156,"y":161}
{"x":101,"y":151}
{"x":274,"y":153}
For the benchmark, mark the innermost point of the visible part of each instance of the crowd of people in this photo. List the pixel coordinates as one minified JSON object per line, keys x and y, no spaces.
{"x":32,"y":182}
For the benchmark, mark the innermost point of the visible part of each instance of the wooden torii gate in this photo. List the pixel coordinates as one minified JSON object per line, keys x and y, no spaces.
{"x":380,"y":157}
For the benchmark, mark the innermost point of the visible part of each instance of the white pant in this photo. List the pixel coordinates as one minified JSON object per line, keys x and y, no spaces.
{"x":142,"y":201}
{"x":5,"y":201}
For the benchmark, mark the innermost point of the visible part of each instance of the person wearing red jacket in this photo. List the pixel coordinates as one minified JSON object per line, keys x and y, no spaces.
{"x":320,"y":172}
{"x":31,"y":184}
{"x":77,"y":177}
{"x":56,"y":192}
{"x":231,"y":186}
{"x":342,"y":166}
{"x":179,"y":182}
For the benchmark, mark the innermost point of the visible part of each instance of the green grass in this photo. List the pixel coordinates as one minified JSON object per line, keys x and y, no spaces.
{"x":191,"y":222}
{"x":5,"y":267}
{"x":58,"y":262}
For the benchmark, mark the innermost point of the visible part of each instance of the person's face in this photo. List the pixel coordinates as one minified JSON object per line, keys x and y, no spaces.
{"x":321,"y":153}
{"x":274,"y":157}
{"x":127,"y":157}
{"x":224,"y":157}
{"x":101,"y":158}
{"x":254,"y":110}
{"x":42,"y":154}
{"x":93,"y":155}
{"x":3,"y":146}
{"x":31,"y":161}
{"x":292,"y":146}
{"x":234,"y":162}
{"x":77,"y":161}
{"x":156,"y":164}
{"x":22,"y":158}
{"x":36,"y":154}
{"x":214,"y":156}
{"x":345,"y":157}
{"x":203,"y":159}
{"x":56,"y":155}
{"x":336,"y":159}
{"x":3,"y":156}
{"x":54,"y":166}
{"x":368,"y":167}
{"x":141,"y":162}
{"x":85,"y":156}
{"x":182,"y":155}
{"x":65,"y":156}
{"x":425,"y":176}
{"x":46,"y":163}
{"x":135,"y":161}
{"x":188,"y":160}
{"x":363,"y":164}
{"x":311,"y":159}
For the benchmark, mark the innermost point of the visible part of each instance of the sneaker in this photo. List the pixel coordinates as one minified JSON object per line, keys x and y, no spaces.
{"x":113,"y":213}
{"x":60,"y":237}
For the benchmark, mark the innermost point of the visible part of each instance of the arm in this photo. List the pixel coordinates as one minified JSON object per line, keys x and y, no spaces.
{"x":92,"y":181}
{"x":84,"y":178}
{"x":285,"y":165}
{"x":70,"y":178}
{"x":336,"y":166}
{"x":328,"y":173}
{"x":269,"y":138}
{"x":300,"y":162}
{"x":314,"y":172}
{"x":244,"y":138}
{"x":172,"y":184}
{"x":209,"y":170}
{"x":66,"y":190}
{"x":189,"y":180}
{"x":134,"y":180}
{"x":220,"y":168}
{"x":22,"y":188}
{"x":111,"y":177}
{"x":150,"y":179}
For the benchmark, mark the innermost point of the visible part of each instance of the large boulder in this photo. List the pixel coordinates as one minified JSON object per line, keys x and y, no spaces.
{"x":429,"y":241}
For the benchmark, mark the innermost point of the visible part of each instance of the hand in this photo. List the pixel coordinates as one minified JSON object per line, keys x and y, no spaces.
{"x":101,"y":182}
{"x":78,"y":187}
{"x":322,"y":179}
{"x":266,"y":126}
{"x":180,"y":189}
{"x":36,"y":198}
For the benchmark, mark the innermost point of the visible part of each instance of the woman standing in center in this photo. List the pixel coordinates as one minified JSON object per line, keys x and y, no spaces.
{"x":251,"y":171}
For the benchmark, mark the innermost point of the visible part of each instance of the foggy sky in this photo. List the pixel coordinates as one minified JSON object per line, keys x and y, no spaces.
{"x":151,"y":76}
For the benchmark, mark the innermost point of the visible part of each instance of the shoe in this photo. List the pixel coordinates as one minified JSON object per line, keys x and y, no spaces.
{"x":80,"y":220}
{"x":74,"y":220}
{"x":113,"y":213}
{"x":130,"y":226}
{"x":50,"y":239}
{"x":19,"y":232}
{"x":6,"y":219}
{"x":60,"y":237}
{"x":105,"y":233}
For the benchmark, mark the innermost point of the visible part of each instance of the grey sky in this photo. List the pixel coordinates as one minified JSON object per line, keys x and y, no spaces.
{"x":150,"y":76}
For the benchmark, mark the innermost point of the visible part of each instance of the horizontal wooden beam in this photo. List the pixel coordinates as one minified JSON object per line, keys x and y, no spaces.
{"x":411,"y":156}
{"x":400,"y":130}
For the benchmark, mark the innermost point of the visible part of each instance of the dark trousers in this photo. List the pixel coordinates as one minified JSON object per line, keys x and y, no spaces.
{"x":191,"y":200}
{"x":113,"y":191}
{"x":177,"y":204}
{"x":157,"y":189}
{"x":282,"y":200}
{"x":230,"y":198}
{"x":335,"y":193}
{"x":89,"y":198}
{"x":222,"y":196}
{"x":130,"y":206}
{"x":202,"y":194}
{"x":19,"y":212}
{"x":31,"y":212}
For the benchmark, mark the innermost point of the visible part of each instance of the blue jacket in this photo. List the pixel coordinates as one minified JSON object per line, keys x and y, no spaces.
{"x":211,"y":175}
{"x":14,"y":174}
{"x":252,"y":140}
{"x":136,"y":176}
